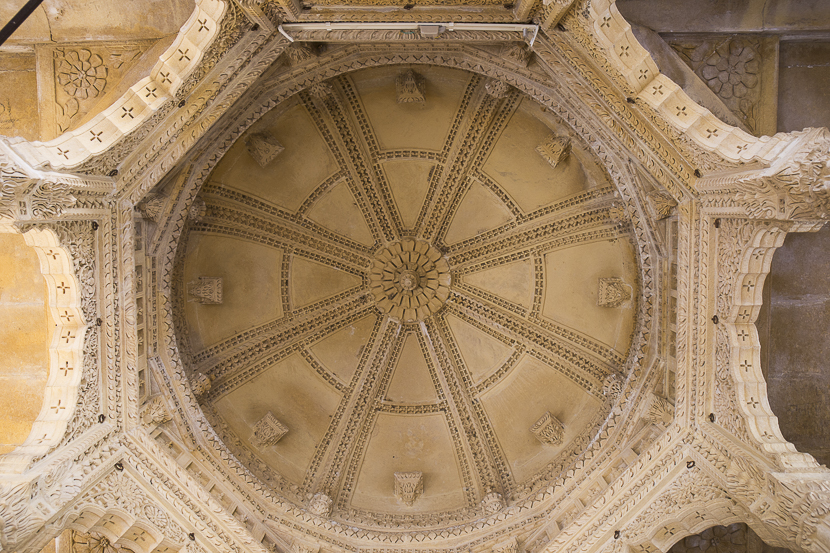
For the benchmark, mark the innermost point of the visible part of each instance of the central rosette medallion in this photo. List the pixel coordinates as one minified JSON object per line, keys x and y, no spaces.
{"x":410,"y":280}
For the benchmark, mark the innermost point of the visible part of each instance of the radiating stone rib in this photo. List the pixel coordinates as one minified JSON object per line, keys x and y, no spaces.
{"x":345,"y":144}
{"x":576,"y":350}
{"x":224,"y":360}
{"x":233,"y":222}
{"x":531,"y":236}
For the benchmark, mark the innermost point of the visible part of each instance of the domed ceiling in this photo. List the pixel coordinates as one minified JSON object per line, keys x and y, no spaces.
{"x":408,"y":290}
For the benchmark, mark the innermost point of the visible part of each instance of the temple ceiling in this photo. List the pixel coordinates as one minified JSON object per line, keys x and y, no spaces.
{"x":410,"y":288}
{"x":417,"y":277}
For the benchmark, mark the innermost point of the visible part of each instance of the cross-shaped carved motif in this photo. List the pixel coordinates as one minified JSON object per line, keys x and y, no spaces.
{"x":746,"y":365}
{"x":96,"y":136}
{"x":743,"y":335}
{"x":58,"y":407}
{"x":184,"y":55}
{"x":165,"y":77}
{"x":66,"y":368}
{"x":51,"y":253}
{"x":749,"y":286}
{"x":202,"y":25}
{"x":127,"y":111}
{"x":753,"y":403}
{"x":69,"y":336}
{"x":63,"y":287}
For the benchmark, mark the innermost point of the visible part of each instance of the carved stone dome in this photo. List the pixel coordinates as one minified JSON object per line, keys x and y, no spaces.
{"x":424,"y":307}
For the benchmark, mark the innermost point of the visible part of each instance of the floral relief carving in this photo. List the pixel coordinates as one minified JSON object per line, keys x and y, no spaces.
{"x":81,"y":73}
{"x":731,"y":68}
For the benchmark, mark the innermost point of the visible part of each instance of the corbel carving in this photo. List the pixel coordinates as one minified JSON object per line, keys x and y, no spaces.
{"x":197,"y":210}
{"x":200,"y":384}
{"x":320,"y":505}
{"x":263,"y":147}
{"x":492,"y":503}
{"x":517,"y":53}
{"x":611,"y":387}
{"x":410,"y":88}
{"x":613,"y":292}
{"x":207,"y":290}
{"x":299,"y":53}
{"x":408,"y":486}
{"x":151,"y":206}
{"x":155,"y":412}
{"x":555,"y":149}
{"x":549,"y":430}
{"x":497,"y":88}
{"x":509,"y":546}
{"x":268,"y":431}
{"x":659,"y":412}
{"x":662,"y":204}
{"x":321,"y":91}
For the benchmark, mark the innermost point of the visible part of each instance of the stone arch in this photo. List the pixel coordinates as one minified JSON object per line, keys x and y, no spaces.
{"x":745,"y":348}
{"x":65,"y":351}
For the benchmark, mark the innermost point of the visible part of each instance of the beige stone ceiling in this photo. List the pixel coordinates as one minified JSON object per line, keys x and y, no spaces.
{"x":408,"y":288}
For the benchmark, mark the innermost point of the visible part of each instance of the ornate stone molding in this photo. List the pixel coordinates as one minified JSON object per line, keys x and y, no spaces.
{"x":795,"y":187}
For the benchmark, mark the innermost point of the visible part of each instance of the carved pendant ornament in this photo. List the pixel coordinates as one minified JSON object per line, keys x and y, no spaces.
{"x":493,"y":290}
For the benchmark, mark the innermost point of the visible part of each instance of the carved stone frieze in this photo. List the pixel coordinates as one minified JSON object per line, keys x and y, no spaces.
{"x":268,"y":431}
{"x":408,"y":486}
{"x":795,"y":188}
